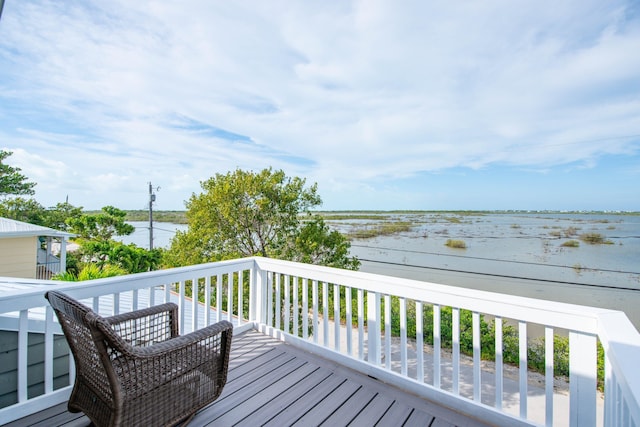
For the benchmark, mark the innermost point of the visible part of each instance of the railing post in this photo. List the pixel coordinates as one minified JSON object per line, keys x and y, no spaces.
{"x":373,"y":328}
{"x":582,"y":379}
{"x":257,"y":298}
{"x":23,"y":345}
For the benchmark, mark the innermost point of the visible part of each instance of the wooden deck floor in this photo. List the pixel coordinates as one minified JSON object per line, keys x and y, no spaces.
{"x":275,"y":384}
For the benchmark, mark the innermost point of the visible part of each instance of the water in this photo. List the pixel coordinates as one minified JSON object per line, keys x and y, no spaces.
{"x":163,"y":232}
{"x":518,"y":254}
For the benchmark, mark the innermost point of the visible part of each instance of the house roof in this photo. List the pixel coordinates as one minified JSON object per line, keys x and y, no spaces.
{"x":12,"y":228}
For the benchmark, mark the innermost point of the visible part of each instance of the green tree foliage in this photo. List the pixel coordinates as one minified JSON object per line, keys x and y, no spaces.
{"x":129,"y":258}
{"x":90,"y":272}
{"x":22,"y":209}
{"x":102,"y":226}
{"x":317,"y":244}
{"x":29,"y":210}
{"x":12,"y":182}
{"x":98,"y":250}
{"x":97,"y":247}
{"x":245,"y":214}
{"x":59,"y":216}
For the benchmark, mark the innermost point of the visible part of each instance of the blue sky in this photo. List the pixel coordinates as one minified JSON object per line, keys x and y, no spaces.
{"x":385,"y":104}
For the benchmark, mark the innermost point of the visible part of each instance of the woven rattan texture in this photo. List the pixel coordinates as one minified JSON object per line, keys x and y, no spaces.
{"x":134,"y":369}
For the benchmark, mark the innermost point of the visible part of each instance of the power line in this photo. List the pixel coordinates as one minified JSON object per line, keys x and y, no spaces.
{"x":491,"y":259}
{"x":157,"y":228}
{"x":506,"y":276}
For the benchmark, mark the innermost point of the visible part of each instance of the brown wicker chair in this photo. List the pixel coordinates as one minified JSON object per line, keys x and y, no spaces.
{"x":134,"y":369}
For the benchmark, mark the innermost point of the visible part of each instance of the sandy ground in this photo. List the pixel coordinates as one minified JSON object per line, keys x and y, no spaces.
{"x":511,"y":385}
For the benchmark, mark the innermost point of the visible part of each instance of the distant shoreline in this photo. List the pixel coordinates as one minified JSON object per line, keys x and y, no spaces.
{"x":180,"y":217}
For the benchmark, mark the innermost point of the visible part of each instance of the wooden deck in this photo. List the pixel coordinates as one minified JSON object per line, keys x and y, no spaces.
{"x":275,"y":384}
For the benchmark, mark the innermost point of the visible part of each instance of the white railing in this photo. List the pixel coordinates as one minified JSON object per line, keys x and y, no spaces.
{"x":46,"y":270}
{"x":349,"y":317}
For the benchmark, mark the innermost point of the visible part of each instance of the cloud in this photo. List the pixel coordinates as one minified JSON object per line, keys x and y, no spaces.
{"x":348,"y":93}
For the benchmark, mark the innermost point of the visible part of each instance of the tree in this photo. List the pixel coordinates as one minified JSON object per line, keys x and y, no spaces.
{"x":102,"y":226}
{"x":98,"y":250}
{"x":12,"y":182}
{"x":245,"y":214}
{"x":317,"y":244}
{"x":21,"y":209}
{"x":59,"y":216}
{"x":129,"y":258}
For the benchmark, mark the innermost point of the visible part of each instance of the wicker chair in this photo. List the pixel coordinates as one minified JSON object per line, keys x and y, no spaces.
{"x":134,"y":369}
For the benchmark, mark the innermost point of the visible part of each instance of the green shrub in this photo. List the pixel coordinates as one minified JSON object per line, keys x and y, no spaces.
{"x":456,"y":244}
{"x":571,"y":244}
{"x":595,"y":239}
{"x":90,"y":272}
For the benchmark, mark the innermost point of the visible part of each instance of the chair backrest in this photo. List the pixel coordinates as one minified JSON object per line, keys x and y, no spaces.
{"x":85,"y":344}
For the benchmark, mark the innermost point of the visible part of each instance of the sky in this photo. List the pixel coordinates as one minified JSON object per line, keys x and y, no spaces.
{"x":385,"y":104}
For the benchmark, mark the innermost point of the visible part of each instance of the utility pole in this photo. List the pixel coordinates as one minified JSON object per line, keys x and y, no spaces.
{"x":152,"y":198}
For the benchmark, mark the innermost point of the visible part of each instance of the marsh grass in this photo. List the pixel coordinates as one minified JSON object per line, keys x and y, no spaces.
{"x":346,"y":216}
{"x":571,"y":244}
{"x":175,"y":217}
{"x":381,"y":229}
{"x":595,"y":239}
{"x":571,"y":231}
{"x":456,"y":244}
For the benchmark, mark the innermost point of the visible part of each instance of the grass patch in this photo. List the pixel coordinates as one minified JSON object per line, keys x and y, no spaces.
{"x":456,"y":244}
{"x":176,"y":217}
{"x":595,"y":239}
{"x":571,"y":244}
{"x":571,"y":231}
{"x":343,"y":216}
{"x":383,"y":229}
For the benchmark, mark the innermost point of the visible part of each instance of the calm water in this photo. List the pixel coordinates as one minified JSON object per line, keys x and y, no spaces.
{"x":163,"y":232}
{"x":518,"y":254}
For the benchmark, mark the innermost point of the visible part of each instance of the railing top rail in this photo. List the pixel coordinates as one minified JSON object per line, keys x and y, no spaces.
{"x":550,"y":313}
{"x":31,"y":296}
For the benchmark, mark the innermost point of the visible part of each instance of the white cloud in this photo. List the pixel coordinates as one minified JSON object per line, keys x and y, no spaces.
{"x":361,"y":90}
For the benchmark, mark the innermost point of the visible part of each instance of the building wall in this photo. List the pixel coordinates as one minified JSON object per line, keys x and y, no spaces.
{"x":35,"y":365}
{"x":18,"y":257}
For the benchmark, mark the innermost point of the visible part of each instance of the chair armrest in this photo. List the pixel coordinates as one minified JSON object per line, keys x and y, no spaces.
{"x":146,"y":326}
{"x":178,"y":344}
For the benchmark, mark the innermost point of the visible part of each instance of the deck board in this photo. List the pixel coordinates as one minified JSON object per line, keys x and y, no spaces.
{"x":275,"y":384}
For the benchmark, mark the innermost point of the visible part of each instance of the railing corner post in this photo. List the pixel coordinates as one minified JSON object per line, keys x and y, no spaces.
{"x":258,"y":293}
{"x":582,"y":379}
